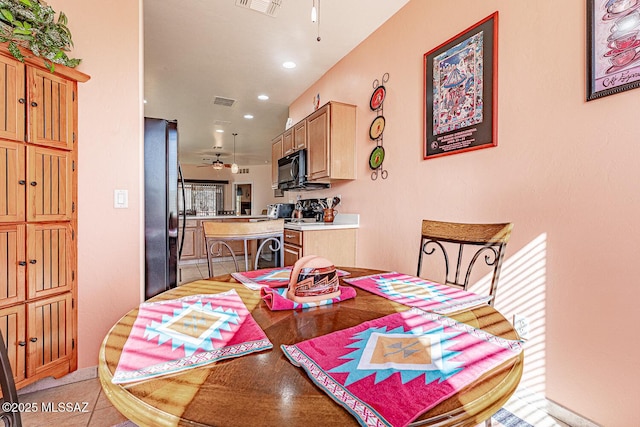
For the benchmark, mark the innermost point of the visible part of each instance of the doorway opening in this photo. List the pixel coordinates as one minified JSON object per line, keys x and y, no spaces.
{"x":243,"y":199}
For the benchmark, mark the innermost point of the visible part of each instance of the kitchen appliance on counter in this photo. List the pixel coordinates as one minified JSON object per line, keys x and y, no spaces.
{"x":311,"y":210}
{"x":292,"y":173}
{"x":280,"y":210}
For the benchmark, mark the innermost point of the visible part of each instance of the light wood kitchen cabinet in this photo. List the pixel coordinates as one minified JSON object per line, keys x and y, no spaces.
{"x":300,"y":136}
{"x":49,"y":259}
{"x":13,"y":324}
{"x":331,"y":132}
{"x":49,"y":181}
{"x":38,"y":217}
{"x":190,"y":244}
{"x":276,"y":154}
{"x":50,"y":332}
{"x":329,"y":135}
{"x":51,"y":109}
{"x":12,"y":181}
{"x":194,"y":248}
{"x":13,"y":256}
{"x":292,"y":246}
{"x":287,"y":142}
{"x":294,"y":138}
{"x":12,"y":94}
{"x":337,"y":245}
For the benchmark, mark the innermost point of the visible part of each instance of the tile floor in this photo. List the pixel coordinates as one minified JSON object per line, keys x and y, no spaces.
{"x":93,"y":409}
{"x":89,"y":403}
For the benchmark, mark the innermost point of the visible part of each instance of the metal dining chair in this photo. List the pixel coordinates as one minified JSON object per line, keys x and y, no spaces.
{"x":9,"y":418}
{"x":218,"y":235}
{"x":487,"y":240}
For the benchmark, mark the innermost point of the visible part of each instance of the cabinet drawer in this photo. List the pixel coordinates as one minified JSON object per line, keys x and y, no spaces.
{"x":292,"y":254}
{"x":191,"y":223}
{"x":293,"y":237}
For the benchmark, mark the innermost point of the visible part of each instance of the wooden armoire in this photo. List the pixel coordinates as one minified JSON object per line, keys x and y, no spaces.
{"x":38,"y":216}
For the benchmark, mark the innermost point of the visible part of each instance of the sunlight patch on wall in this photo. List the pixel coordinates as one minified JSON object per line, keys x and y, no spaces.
{"x":522,"y":291}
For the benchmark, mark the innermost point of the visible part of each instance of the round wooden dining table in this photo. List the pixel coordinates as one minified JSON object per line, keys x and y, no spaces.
{"x":265,"y":389}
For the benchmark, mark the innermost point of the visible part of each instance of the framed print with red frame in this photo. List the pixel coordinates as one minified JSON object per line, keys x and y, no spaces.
{"x":461,"y":92}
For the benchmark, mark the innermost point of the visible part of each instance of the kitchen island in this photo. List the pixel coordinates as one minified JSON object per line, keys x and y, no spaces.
{"x":335,"y":241}
{"x":193,"y":247}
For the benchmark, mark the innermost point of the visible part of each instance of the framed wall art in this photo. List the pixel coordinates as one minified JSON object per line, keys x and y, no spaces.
{"x":460,"y":91}
{"x":613,"y":46}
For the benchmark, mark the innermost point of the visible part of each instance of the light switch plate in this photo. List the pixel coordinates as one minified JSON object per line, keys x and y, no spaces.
{"x":120,"y":199}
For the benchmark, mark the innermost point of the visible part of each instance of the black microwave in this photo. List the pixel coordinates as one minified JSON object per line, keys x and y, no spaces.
{"x":292,"y":170}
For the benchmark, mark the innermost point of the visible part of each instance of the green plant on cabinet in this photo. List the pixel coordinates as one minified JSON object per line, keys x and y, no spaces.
{"x":32,"y":24}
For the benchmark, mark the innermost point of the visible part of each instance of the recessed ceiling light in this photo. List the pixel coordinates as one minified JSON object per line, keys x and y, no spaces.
{"x":248,"y":116}
{"x":263,"y":97}
{"x":145,"y":101}
{"x":220,"y":130}
{"x":289,"y":64}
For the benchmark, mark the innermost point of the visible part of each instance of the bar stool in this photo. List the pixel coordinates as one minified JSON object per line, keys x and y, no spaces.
{"x":222,"y":233}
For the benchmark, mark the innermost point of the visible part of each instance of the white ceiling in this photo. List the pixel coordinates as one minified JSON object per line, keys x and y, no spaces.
{"x":196,"y":50}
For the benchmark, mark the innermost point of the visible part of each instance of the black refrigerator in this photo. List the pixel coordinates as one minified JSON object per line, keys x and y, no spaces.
{"x":161,"y":170}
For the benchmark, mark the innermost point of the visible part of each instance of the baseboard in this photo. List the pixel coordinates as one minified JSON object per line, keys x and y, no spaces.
{"x":50,"y":382}
{"x":567,"y":416}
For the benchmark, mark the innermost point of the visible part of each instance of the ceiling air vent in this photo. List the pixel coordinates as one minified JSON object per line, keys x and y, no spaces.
{"x":225,"y":102}
{"x":267,"y":7}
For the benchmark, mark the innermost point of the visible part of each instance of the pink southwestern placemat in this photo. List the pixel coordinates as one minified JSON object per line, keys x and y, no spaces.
{"x":272,"y":277}
{"x":388,"y":371}
{"x":416,"y":292}
{"x":175,"y":335}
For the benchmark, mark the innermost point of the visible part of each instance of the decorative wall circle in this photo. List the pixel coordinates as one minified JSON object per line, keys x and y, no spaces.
{"x":377,"y":127}
{"x":376,"y":158}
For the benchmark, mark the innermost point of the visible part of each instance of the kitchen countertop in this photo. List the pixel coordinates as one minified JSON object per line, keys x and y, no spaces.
{"x":342,"y":220}
{"x":226,"y":217}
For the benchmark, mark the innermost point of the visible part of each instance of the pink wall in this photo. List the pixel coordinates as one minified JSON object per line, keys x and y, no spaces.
{"x":107,"y":36}
{"x":565,"y":172}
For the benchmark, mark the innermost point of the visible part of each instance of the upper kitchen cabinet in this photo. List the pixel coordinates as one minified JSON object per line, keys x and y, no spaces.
{"x":287,"y":142}
{"x":300,"y":136}
{"x":50,"y":103}
{"x":331,"y":142}
{"x":294,"y":138}
{"x":276,"y":154}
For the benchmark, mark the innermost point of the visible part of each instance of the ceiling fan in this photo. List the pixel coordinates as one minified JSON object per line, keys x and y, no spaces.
{"x":217,"y":164}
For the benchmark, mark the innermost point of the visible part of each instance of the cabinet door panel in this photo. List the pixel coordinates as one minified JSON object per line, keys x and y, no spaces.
{"x":50,"y":109}
{"x":49,"y":254}
{"x":49,"y":184}
{"x":318,"y":144}
{"x":276,"y":154}
{"x":13,"y":327}
{"x":291,"y":254}
{"x":12,"y":255}
{"x":300,"y":135}
{"x":49,"y":333}
{"x":287,"y":142}
{"x":190,"y":245}
{"x":12,"y":99}
{"x":12,"y":182}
